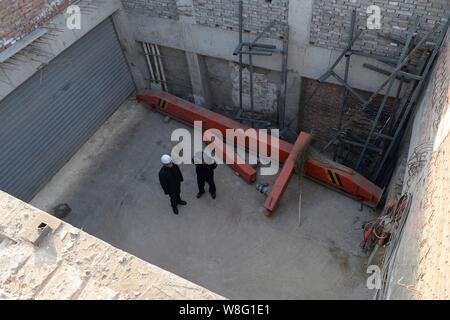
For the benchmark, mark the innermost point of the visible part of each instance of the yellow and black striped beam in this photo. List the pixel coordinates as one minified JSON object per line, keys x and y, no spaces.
{"x":162,"y":103}
{"x":334,"y":178}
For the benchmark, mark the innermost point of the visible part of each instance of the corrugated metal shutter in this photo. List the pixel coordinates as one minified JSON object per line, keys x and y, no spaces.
{"x":47,"y":119}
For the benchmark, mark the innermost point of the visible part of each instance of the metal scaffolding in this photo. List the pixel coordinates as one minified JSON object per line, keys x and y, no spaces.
{"x":254,"y":48}
{"x":368,"y":135}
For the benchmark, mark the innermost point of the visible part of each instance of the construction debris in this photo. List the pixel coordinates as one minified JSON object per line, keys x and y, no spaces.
{"x":389,"y":230}
{"x":377,"y":232}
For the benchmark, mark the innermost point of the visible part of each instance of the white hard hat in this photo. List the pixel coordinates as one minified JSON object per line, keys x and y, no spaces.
{"x":166,"y":159}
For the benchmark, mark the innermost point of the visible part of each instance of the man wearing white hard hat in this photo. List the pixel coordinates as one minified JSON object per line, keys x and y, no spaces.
{"x":170,"y":178}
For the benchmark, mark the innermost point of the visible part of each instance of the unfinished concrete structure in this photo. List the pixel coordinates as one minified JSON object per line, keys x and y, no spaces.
{"x":58,"y":86}
{"x":70,"y":264}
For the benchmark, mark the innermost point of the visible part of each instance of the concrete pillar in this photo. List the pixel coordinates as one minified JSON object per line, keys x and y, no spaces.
{"x":196,"y":63}
{"x":293,"y":96}
{"x":299,"y":13}
{"x":132,"y":50}
{"x":199,"y":79}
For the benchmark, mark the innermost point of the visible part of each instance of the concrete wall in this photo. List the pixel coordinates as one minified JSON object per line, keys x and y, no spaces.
{"x":224,"y":83}
{"x":177,"y":73}
{"x":18,"y":18}
{"x":330,"y":21}
{"x":209,"y":29}
{"x":421,"y":269}
{"x":221,"y":83}
{"x":305,"y":60}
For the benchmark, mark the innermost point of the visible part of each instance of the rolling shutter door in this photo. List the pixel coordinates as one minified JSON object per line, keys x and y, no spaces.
{"x":45,"y":121}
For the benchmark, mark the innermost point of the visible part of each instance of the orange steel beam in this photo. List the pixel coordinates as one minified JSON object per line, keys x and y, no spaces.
{"x":280,"y":185}
{"x":331,"y":174}
{"x":187,"y":112}
{"x":245,"y":171}
{"x":344,"y":180}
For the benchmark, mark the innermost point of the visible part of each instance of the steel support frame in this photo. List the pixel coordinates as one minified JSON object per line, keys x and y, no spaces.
{"x":346,"y":74}
{"x":411,"y":35}
{"x":396,"y":74}
{"x":259,"y":49}
{"x":414,"y":98}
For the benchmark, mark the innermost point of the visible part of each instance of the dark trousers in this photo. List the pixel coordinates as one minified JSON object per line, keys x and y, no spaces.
{"x":175,"y":199}
{"x":201,"y":184}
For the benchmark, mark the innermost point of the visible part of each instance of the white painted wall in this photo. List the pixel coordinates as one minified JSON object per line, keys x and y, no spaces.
{"x":199,"y":39}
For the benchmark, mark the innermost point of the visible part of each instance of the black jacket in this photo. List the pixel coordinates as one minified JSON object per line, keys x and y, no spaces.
{"x":205,"y":171}
{"x":170,"y":179}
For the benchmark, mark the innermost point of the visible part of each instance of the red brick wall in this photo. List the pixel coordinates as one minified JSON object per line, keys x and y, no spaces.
{"x":321,"y":115}
{"x":20,"y":17}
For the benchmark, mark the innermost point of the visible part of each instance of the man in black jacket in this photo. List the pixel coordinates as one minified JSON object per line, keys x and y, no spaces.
{"x":204,"y":167}
{"x":170,"y":178}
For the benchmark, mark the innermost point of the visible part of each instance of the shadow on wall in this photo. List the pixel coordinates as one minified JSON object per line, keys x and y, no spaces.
{"x":177,"y":73}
